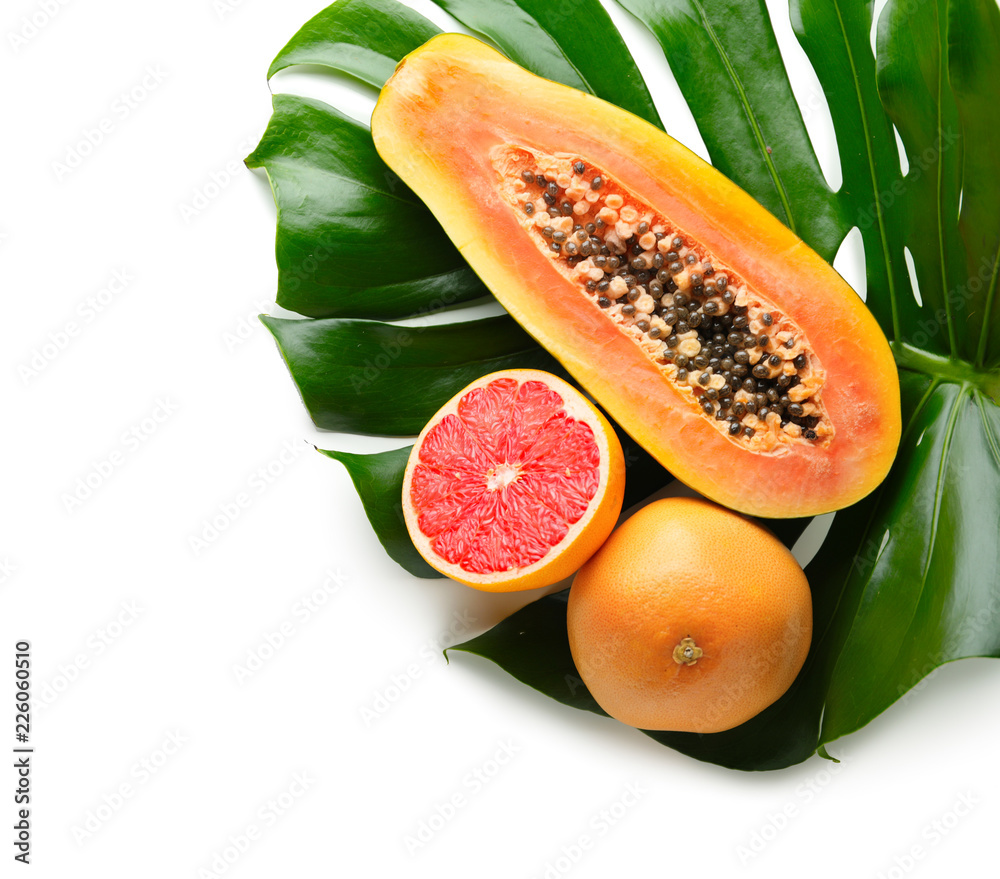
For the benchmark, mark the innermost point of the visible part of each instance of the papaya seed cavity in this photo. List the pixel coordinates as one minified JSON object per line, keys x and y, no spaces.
{"x":738,"y":359}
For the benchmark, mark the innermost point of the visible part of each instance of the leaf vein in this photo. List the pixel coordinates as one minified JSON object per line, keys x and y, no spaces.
{"x":873,"y":174}
{"x":751,"y":115}
{"x":939,"y":193}
{"x":991,"y":439}
{"x":939,"y":485}
{"x":353,"y":181}
{"x":558,"y":46}
{"x":880,"y":491}
{"x":988,"y":309}
{"x":938,"y":493}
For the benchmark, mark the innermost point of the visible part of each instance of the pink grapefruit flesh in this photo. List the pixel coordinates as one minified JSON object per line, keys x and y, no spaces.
{"x":514,"y":483}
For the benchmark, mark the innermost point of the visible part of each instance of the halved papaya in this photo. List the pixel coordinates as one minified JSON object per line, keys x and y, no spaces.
{"x":715,"y":336}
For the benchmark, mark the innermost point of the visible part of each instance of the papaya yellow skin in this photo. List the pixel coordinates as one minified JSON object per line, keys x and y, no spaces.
{"x":454,"y":101}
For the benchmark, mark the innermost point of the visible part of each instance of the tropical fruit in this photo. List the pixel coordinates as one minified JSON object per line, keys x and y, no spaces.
{"x":514,"y":483}
{"x":690,"y":618}
{"x":708,"y":330}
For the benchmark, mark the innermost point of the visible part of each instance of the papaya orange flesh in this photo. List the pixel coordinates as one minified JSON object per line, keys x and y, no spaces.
{"x":537,"y":183}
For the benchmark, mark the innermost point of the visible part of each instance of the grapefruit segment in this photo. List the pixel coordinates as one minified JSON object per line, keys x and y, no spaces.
{"x":514,"y":483}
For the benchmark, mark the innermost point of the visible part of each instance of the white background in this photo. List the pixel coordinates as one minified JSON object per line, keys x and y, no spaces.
{"x":352,"y":735}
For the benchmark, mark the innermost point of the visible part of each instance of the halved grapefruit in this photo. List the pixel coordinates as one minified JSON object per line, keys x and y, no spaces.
{"x":514,"y":483}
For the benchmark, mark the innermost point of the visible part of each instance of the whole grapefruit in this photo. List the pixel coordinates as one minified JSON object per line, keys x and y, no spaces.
{"x":690,"y":618}
{"x":514,"y":483}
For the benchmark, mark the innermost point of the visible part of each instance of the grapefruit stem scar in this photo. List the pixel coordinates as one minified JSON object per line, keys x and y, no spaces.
{"x":687,"y":652}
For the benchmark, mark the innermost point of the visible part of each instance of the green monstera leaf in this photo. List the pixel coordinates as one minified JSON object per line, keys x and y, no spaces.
{"x":907,"y":579}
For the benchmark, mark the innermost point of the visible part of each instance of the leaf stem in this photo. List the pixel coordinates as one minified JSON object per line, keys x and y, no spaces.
{"x":947,"y":369}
